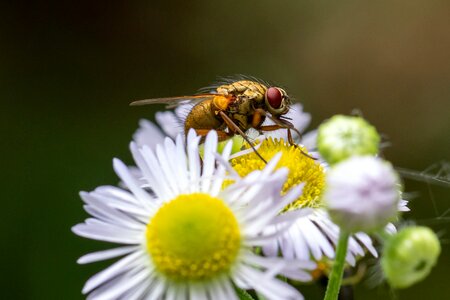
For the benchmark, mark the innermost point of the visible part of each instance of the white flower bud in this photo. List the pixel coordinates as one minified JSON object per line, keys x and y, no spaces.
{"x":362,"y":193}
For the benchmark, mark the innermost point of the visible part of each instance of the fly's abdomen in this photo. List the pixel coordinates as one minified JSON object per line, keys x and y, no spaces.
{"x":202,"y":116}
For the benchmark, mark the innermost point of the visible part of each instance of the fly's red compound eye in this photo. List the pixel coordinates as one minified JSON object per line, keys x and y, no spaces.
{"x":274,"y":97}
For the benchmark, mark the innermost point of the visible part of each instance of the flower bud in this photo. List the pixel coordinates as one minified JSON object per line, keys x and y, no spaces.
{"x":343,"y":136}
{"x":409,"y":256}
{"x":362,"y":193}
{"x":238,"y":143}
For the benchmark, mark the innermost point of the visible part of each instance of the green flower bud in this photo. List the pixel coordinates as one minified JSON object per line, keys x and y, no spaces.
{"x":238,"y":143}
{"x":237,"y":140}
{"x":343,"y":136}
{"x":409,"y":256}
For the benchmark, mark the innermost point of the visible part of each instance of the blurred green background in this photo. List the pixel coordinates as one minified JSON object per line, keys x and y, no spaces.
{"x":68,"y":70}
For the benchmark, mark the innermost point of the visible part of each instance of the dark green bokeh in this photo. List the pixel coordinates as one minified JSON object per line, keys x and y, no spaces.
{"x":69,"y":70}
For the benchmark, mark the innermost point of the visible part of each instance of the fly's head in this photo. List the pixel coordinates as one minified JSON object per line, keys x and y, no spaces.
{"x":277,"y":101}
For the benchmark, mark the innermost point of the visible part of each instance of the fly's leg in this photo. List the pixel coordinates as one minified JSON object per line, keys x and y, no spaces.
{"x":281,"y":124}
{"x":269,"y":127}
{"x":233,"y":127}
{"x":258,"y":119}
{"x":291,"y":142}
{"x":276,"y":127}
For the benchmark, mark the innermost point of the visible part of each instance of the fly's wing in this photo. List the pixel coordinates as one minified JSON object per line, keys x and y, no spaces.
{"x":172,"y":102}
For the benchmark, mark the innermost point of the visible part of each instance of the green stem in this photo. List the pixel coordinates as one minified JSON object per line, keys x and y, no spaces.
{"x":335,"y":279}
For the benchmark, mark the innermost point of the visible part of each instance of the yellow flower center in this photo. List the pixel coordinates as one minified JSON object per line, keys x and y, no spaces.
{"x":193,"y":237}
{"x":302,"y":169}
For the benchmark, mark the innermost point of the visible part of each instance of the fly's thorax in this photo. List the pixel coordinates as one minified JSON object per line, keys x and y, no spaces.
{"x":246,"y":96}
{"x":244,"y":90}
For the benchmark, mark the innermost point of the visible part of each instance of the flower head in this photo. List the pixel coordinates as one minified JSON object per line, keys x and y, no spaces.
{"x":187,"y":237}
{"x":313,"y":234}
{"x":409,"y":256}
{"x":343,"y":136}
{"x":302,"y":169}
{"x":362,"y":194}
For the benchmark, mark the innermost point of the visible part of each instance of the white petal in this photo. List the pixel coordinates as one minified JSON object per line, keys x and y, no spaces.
{"x":181,"y":292}
{"x":403,"y":205}
{"x":228,"y":289}
{"x":148,"y":134}
{"x":130,"y":181}
{"x":220,"y":170}
{"x":125,"y":284}
{"x":287,"y":249}
{"x":266,"y":216}
{"x":123,"y":265}
{"x":138,"y":292}
{"x":117,"y":193}
{"x":153,"y":172}
{"x":350,"y":258}
{"x":182,"y":164}
{"x":300,"y":245}
{"x":135,"y":211}
{"x":194,"y":160}
{"x":182,"y":110}
{"x":219,"y":291}
{"x":269,"y":263}
{"x":269,"y":287}
{"x":105,"y":254}
{"x":157,"y":289}
{"x":208,"y":160}
{"x":97,"y":207}
{"x":390,"y":228}
{"x":168,"y":173}
{"x":367,"y":242}
{"x":170,"y":123}
{"x":172,"y":292}
{"x":270,"y":248}
{"x":108,"y":233}
{"x":196,"y":291}
{"x":315,"y":240}
{"x":172,"y":158}
{"x":294,"y":214}
{"x":355,"y":247}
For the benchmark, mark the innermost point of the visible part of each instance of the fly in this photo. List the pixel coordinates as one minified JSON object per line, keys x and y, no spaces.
{"x":232,"y":107}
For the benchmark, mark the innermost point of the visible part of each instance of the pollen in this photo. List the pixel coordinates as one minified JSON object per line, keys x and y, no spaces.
{"x":302,"y":169}
{"x":194,"y":237}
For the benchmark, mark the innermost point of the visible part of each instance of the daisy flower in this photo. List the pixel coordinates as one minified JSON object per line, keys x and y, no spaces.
{"x":188,"y":237}
{"x":313,"y":235}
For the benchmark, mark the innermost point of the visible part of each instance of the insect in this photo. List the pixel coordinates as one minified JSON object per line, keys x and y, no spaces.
{"x":233,"y":106}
